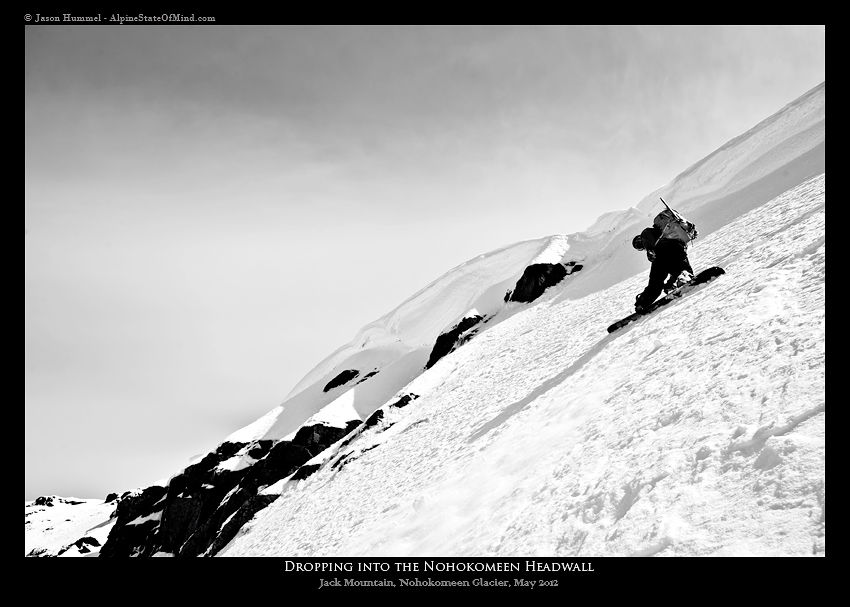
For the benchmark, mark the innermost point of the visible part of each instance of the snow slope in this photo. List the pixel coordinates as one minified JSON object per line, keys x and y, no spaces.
{"x":55,"y":525}
{"x":696,"y":431}
{"x":785,"y":136}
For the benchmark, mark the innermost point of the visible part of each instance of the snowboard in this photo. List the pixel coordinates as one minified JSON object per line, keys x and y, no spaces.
{"x":701,"y":278}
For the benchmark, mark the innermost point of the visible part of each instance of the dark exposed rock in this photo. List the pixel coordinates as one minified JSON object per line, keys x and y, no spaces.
{"x":367,"y":376}
{"x":128,"y":539}
{"x":341,"y":379}
{"x":374,"y":419}
{"x":536,"y":279}
{"x":247,"y":510}
{"x":180,"y":519}
{"x":44,"y":500}
{"x":262,"y":447}
{"x":82,"y":545}
{"x":339,"y":463}
{"x":141,"y":504}
{"x":189,"y":499}
{"x":350,"y":457}
{"x":318,"y":437}
{"x":38,"y":552}
{"x":281,"y":461}
{"x":451,"y":339}
{"x":142,"y":539}
{"x":404,"y":400}
{"x":111,"y":497}
{"x":305,"y":471}
{"x":204,"y":506}
{"x":348,"y":440}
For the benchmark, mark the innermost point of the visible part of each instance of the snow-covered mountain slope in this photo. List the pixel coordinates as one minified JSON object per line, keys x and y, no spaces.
{"x":66,"y":526}
{"x":491,"y":413}
{"x":787,"y":136}
{"x":696,"y":431}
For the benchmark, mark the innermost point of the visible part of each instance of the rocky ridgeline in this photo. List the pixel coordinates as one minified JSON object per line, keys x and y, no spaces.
{"x":201,"y":508}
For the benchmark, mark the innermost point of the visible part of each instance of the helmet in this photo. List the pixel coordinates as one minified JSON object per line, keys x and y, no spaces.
{"x":637,"y":242}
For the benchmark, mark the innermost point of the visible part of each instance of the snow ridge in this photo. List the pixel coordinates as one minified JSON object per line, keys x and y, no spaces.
{"x":749,"y":156}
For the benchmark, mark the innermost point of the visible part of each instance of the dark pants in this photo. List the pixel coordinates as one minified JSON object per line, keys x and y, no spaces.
{"x":671,"y":259}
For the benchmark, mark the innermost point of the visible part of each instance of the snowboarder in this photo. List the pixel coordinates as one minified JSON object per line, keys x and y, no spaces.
{"x":666,"y":246}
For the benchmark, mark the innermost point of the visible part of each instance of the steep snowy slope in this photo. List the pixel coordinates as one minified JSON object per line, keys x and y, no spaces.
{"x":697,"y":431}
{"x":788,"y":135}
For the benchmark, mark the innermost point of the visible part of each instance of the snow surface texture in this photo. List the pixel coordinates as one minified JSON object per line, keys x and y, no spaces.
{"x":696,"y":431}
{"x":55,"y":525}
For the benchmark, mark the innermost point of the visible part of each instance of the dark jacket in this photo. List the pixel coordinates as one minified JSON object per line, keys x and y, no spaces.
{"x":649,"y":237}
{"x":671,"y":259}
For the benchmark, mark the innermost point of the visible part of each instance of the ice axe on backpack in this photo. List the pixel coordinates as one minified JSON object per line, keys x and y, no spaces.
{"x":676,"y":213}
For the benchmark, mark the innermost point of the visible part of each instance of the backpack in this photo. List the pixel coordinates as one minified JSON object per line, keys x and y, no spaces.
{"x":673,"y":225}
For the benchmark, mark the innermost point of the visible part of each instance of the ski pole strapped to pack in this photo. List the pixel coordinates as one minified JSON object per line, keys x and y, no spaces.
{"x":669,"y":209}
{"x":673,"y":225}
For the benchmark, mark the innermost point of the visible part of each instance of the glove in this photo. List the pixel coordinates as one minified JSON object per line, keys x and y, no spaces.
{"x":650,"y":255}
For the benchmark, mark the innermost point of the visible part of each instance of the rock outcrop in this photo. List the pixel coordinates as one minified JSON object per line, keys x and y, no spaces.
{"x":341,"y":379}
{"x":538,"y":277}
{"x":203,"y":507}
{"x":454,"y":338}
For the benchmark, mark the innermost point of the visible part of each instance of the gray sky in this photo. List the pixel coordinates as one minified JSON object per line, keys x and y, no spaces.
{"x":210,"y":211}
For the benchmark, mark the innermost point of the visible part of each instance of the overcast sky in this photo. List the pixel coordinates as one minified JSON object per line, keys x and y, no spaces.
{"x":210,"y":211}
